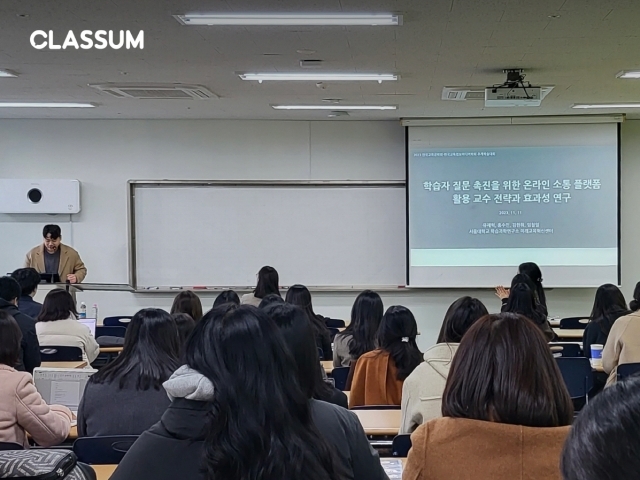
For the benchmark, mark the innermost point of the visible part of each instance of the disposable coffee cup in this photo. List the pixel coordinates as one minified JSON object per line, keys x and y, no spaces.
{"x":596,"y":354}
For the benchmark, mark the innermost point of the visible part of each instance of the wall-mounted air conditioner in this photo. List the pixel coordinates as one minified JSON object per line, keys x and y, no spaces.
{"x":39,"y":196}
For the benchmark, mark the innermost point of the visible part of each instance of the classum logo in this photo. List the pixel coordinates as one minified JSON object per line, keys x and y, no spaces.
{"x":101,"y":39}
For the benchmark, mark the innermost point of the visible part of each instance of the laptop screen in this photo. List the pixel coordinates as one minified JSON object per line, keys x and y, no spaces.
{"x":91,"y":323}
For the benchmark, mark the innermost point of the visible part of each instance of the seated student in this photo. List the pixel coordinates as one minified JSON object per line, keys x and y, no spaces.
{"x":126,"y":397}
{"x":28,"y":278}
{"x":239,"y":411}
{"x":608,"y":306}
{"x":360,"y":335}
{"x":605,"y":440}
{"x":268,"y":282}
{"x":505,"y":409}
{"x":422,"y":390}
{"x":623,"y":345}
{"x":185,"y":325}
{"x":23,"y":409}
{"x":189,"y":303}
{"x":533,"y":271}
{"x":226,"y":296}
{"x":503,"y":293}
{"x":269,"y":299}
{"x":299,"y":338}
{"x":635,"y":303}
{"x":57,"y":325}
{"x":299,"y":295}
{"x":29,"y":356}
{"x":522,"y":301}
{"x":378,"y":375}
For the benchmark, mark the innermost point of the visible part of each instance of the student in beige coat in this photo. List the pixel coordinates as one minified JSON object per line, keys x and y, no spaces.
{"x":55,"y":257}
{"x":422,"y":390}
{"x":57,"y":325}
{"x":22,"y":408}
{"x":623,"y":345}
{"x":506,"y":410}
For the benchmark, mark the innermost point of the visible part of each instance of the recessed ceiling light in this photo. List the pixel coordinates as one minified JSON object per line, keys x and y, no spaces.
{"x":352,"y":19}
{"x":628,"y":74}
{"x":8,"y":74}
{"x":606,"y":105}
{"x":319,"y":77}
{"x":45,"y":105}
{"x":333,"y":107}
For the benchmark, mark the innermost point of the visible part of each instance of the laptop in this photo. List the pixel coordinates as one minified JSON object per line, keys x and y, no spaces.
{"x":62,"y":386}
{"x":49,"y":278}
{"x":91,"y":323}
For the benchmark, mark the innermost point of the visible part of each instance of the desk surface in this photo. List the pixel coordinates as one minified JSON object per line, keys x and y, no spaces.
{"x":110,"y":349}
{"x":327,"y":365}
{"x":103,"y":472}
{"x":76,"y":364}
{"x":569,"y":333}
{"x":379,"y":422}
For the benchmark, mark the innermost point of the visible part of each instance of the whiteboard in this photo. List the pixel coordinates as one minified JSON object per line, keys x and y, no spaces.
{"x":214,"y":234}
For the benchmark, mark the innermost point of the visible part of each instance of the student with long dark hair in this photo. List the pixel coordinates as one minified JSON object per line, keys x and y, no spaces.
{"x":378,"y":375}
{"x":541,"y":303}
{"x":270,"y":299}
{"x":532,"y":270}
{"x":57,"y":325}
{"x":605,"y":440}
{"x":126,"y":396}
{"x":239,"y":412}
{"x":635,"y":303}
{"x":360,"y":335}
{"x":185,"y":325}
{"x":299,"y":295}
{"x":189,"y":303}
{"x":268,"y":282}
{"x":609,"y":305}
{"x":422,"y":390}
{"x":522,"y":301}
{"x":226,"y":296}
{"x":506,"y":411}
{"x":298,"y":336}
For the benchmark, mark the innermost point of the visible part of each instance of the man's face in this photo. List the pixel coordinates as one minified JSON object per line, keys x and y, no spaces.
{"x":52,"y":244}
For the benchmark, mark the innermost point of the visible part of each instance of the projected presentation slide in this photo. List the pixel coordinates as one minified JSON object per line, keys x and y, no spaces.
{"x":476,"y":213}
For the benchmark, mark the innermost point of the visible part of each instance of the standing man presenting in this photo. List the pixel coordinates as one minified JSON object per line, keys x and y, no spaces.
{"x":55,"y":257}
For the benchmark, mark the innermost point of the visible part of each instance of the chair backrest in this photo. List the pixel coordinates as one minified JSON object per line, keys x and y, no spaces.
{"x":577,"y":374}
{"x":376,"y":407}
{"x":333,"y":332}
{"x":4,"y":446}
{"x":334,"y":323}
{"x":117,"y":321}
{"x":340,"y":375}
{"x":574,"y":323}
{"x":103,"y":450}
{"x":111,"y":332}
{"x":401,"y":445}
{"x":559,"y":349}
{"x":627,"y":369}
{"x":56,"y":353}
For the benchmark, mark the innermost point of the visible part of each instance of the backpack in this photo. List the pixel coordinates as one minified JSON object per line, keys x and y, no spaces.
{"x":43,"y":464}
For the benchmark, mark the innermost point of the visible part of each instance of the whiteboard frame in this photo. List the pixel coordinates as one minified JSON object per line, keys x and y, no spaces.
{"x":132,"y":185}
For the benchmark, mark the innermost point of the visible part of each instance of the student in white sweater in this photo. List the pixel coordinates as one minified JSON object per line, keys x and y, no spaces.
{"x":268,"y":283}
{"x":57,"y":325}
{"x":422,"y":390}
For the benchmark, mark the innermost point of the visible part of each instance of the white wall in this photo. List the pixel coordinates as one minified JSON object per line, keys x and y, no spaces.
{"x":104,"y":154}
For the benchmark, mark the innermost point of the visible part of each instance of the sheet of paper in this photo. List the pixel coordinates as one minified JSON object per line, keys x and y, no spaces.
{"x":65,"y":393}
{"x":392,"y":467}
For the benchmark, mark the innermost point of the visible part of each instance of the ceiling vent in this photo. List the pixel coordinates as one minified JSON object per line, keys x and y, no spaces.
{"x":156,"y":91}
{"x":459,"y":94}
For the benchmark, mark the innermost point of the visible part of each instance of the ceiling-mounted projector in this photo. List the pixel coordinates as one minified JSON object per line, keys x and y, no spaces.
{"x":514,"y":92}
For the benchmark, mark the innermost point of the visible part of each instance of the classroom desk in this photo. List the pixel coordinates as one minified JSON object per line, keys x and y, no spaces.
{"x":327,"y":365}
{"x":379,"y":422}
{"x":554,"y":322}
{"x":598,"y":368}
{"x":73,"y":433}
{"x":104,"y":472}
{"x":569,"y":333}
{"x":76,"y":364}
{"x":110,"y":349}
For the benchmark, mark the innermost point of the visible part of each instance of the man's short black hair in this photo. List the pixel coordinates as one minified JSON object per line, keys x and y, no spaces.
{"x":28,"y":278}
{"x":53,"y":230}
{"x":9,"y":289}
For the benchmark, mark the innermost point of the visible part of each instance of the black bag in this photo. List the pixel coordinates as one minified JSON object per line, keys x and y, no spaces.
{"x":42,"y":464}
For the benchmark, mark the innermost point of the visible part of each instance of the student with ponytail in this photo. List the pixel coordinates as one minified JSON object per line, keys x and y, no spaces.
{"x":635,"y":303}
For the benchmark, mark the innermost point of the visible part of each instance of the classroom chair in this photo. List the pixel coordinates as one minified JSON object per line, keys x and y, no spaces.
{"x":119,"y":332}
{"x":578,"y":377}
{"x":340,"y":375}
{"x":574,"y":323}
{"x":334,"y":323}
{"x":4,"y":446}
{"x":376,"y":407}
{"x":60,"y":354}
{"x":401,"y":445}
{"x":333,"y":332}
{"x":559,"y":349}
{"x":103,"y":450}
{"x":117,"y":321}
{"x":627,"y":370}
